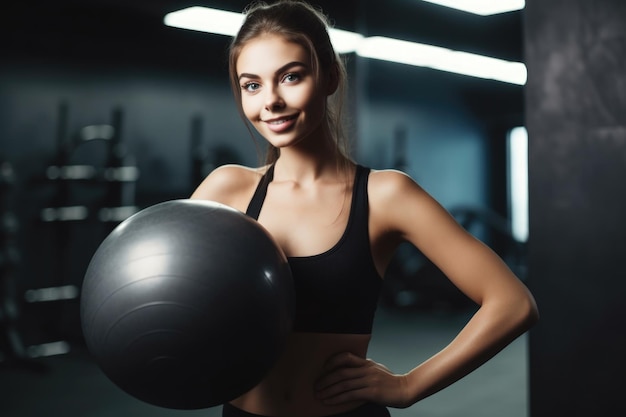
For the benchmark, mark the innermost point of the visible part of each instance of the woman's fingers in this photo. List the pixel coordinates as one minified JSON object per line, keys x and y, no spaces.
{"x":348,"y":378}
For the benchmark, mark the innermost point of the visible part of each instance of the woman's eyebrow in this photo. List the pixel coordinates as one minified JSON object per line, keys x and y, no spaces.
{"x":278,"y":71}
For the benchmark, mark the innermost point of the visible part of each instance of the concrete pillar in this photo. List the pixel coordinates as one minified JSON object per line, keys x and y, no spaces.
{"x":576,"y":119}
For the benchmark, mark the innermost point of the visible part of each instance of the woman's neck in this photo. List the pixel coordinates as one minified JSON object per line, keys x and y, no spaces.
{"x":314,"y":158}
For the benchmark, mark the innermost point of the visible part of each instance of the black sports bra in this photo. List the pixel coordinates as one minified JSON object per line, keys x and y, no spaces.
{"x":337,"y":291}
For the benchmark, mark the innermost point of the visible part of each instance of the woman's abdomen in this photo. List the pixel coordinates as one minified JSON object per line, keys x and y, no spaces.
{"x":288,"y":389}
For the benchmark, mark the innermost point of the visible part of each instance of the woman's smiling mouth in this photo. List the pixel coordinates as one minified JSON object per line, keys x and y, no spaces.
{"x":280,"y":124}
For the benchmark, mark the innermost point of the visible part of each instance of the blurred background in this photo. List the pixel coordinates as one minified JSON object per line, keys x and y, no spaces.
{"x":105,"y":110}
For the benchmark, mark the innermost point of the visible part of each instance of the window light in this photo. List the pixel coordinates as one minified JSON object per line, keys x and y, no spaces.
{"x":518,"y":182}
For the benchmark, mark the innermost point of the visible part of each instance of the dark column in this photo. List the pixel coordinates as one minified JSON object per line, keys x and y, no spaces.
{"x":576,"y":118}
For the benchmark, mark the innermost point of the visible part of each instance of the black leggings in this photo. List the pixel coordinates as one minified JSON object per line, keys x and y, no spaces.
{"x":366,"y":410}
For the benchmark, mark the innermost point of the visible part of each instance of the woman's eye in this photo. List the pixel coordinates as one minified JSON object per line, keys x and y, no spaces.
{"x":250,"y":87}
{"x":291,"y":77}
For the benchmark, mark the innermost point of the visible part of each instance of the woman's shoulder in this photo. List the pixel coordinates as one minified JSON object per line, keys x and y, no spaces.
{"x":233,"y":174}
{"x":396,"y":199}
{"x":387,"y":183}
{"x":230,"y":184}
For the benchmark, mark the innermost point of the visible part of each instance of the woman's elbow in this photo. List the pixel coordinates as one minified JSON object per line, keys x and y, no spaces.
{"x":527,"y":312}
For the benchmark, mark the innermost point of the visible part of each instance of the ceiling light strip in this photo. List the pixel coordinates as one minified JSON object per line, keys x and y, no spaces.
{"x":204,"y":19}
{"x":442,"y":59}
{"x":482,"y":7}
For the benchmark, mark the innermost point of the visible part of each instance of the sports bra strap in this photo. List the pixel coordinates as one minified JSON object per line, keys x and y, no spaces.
{"x":256,"y":203}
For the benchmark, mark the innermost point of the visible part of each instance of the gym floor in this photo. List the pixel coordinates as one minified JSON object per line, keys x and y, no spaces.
{"x":72,"y":385}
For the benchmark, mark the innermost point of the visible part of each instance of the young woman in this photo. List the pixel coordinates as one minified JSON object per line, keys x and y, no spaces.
{"x":339,"y":224}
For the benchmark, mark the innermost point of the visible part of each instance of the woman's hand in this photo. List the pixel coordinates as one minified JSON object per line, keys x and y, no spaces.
{"x":348,"y":377}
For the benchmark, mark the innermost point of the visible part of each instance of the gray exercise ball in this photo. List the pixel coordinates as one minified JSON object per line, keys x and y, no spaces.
{"x":187,"y":304}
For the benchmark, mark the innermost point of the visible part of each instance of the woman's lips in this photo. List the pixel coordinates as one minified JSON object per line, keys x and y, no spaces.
{"x":280,"y":124}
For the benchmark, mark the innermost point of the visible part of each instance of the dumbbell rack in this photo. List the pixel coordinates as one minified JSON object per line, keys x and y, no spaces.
{"x":115,"y":182}
{"x":11,"y":343}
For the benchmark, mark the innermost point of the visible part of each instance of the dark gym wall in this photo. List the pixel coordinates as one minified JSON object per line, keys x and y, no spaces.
{"x":431,"y":135}
{"x":447,"y":131}
{"x":576,"y":118}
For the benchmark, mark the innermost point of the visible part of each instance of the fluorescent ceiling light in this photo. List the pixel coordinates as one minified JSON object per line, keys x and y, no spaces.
{"x":482,"y":7}
{"x":344,"y":41}
{"x":228,"y":23}
{"x":204,"y":19}
{"x":221,"y":22}
{"x":443,"y":59}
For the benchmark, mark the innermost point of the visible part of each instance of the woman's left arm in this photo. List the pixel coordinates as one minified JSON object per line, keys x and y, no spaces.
{"x":506,"y":307}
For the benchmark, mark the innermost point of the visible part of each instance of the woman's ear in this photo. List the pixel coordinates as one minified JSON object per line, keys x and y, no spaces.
{"x":333,"y":79}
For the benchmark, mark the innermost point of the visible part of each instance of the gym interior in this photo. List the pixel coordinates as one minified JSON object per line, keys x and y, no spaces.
{"x":105,"y":110}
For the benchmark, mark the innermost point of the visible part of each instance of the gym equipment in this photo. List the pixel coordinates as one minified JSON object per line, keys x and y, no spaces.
{"x":91,"y":179}
{"x":187,"y":304}
{"x":11,"y":344}
{"x":116,"y":178}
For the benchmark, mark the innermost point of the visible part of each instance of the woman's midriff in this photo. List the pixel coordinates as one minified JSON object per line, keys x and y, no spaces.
{"x":288,"y":389}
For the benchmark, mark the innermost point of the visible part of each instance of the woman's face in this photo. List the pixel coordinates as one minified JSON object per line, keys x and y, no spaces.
{"x":280,"y":95}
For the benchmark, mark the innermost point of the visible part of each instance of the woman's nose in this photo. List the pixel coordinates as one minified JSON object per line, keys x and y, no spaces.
{"x":273,"y":99}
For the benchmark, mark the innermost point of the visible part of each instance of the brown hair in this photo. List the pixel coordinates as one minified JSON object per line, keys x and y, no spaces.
{"x":301,"y":23}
